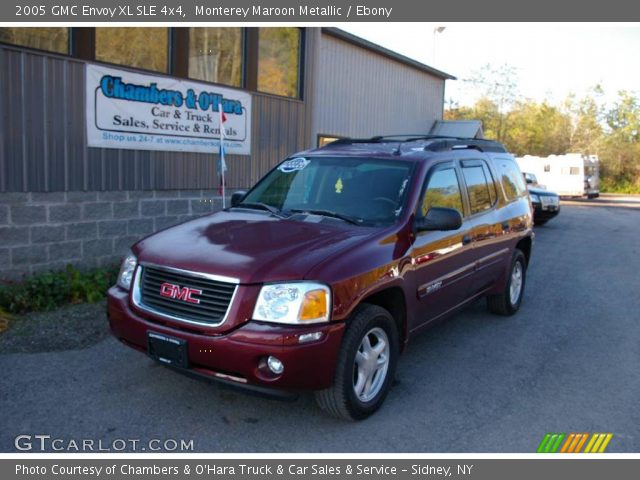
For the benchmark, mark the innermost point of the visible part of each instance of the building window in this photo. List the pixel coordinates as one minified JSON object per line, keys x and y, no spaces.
{"x":215,"y":55}
{"x":52,"y":39}
{"x":279,"y":61}
{"x":146,"y":48}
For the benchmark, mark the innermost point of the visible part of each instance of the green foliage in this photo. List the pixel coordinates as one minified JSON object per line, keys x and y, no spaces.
{"x":49,"y":290}
{"x":608,"y":185}
{"x":586,"y":125}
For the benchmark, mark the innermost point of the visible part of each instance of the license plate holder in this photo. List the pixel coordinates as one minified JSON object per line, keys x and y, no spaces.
{"x":168,"y":350}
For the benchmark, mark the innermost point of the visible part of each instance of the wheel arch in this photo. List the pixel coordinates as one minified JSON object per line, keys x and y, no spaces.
{"x":393,"y":300}
{"x":524,"y":245}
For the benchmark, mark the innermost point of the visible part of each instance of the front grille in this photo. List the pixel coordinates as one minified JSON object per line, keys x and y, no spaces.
{"x":549,"y":200}
{"x":214,"y":299}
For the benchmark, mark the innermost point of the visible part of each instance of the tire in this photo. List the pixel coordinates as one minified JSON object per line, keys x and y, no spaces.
{"x":508,"y":302}
{"x":539,"y":222}
{"x":340,"y":399}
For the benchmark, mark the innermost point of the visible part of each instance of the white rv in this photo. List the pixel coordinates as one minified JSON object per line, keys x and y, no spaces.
{"x":570,"y":175}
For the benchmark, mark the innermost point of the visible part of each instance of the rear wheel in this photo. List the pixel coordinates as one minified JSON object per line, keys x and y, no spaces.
{"x":366,"y":365}
{"x":508,"y":302}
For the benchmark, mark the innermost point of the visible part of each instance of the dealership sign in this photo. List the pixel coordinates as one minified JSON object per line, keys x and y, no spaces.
{"x":147,"y":112}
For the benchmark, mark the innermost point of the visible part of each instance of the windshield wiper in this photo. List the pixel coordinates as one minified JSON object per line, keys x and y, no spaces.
{"x":329,"y":213}
{"x":261,"y":206}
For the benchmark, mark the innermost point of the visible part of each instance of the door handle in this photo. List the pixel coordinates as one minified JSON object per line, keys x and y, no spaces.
{"x":466,"y":240}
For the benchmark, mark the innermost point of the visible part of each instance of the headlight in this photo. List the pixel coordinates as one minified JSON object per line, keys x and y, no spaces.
{"x":534,"y":198}
{"x":295,"y":303}
{"x":126,"y":271}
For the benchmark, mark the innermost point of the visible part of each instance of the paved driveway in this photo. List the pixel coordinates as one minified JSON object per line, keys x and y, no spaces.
{"x":569,"y":361}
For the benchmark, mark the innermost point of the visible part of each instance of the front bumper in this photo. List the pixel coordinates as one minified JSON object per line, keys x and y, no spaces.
{"x":544,"y":212}
{"x":238,"y":356}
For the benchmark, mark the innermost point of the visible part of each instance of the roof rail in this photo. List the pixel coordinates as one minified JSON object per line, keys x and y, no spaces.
{"x":435,"y":143}
{"x":465,"y":143}
{"x":399,"y":138}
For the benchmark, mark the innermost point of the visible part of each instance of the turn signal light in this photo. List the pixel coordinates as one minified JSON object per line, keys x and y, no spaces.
{"x":314,"y":305}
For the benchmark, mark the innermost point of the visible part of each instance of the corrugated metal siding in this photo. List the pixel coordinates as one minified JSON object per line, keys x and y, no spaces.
{"x":279,"y":129}
{"x":43,"y":145}
{"x":360,"y":93}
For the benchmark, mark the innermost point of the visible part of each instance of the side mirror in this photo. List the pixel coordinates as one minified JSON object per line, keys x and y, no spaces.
{"x":237,"y":196}
{"x":439,"y":218}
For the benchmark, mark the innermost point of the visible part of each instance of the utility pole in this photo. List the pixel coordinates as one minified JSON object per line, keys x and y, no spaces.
{"x":436,"y":31}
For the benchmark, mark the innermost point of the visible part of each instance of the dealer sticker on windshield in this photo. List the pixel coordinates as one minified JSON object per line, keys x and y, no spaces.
{"x":293,"y":165}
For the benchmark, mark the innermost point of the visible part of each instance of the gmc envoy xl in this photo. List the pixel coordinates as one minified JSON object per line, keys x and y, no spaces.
{"x":319,"y":275}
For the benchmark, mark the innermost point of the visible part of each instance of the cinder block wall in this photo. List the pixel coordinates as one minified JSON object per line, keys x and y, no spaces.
{"x":47,"y":231}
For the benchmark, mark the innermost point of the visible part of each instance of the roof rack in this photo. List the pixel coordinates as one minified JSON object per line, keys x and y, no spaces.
{"x":452,"y":143}
{"x":436,"y":143}
{"x":401,"y":137}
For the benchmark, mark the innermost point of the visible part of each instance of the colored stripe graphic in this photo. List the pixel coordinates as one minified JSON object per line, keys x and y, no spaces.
{"x":598,"y":443}
{"x":543,"y":443}
{"x":590,"y":444}
{"x":570,"y":439}
{"x":550,"y":443}
{"x":574,"y":442}
{"x":581,"y":442}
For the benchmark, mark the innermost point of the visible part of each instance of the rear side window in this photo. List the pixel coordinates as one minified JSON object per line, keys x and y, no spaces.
{"x":443,"y":190}
{"x":511,"y":179}
{"x":482,"y":193}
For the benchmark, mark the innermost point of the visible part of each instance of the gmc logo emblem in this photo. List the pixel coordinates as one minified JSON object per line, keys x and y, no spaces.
{"x":185,"y":294}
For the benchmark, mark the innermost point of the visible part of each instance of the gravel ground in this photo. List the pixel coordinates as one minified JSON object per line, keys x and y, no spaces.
{"x":68,"y":328}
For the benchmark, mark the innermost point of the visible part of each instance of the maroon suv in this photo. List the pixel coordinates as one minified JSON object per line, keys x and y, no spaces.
{"x":318,"y":276}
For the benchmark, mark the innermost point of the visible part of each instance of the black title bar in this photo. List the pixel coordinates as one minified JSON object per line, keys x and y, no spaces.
{"x":321,"y":11}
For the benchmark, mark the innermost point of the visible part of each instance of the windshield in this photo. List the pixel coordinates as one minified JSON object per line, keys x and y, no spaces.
{"x":364,"y":191}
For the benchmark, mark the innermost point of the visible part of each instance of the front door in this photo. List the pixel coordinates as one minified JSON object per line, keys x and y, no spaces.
{"x":443,"y":262}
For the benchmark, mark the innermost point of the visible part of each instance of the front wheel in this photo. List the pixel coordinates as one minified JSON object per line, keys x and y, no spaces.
{"x":366,"y":365}
{"x":508,"y":302}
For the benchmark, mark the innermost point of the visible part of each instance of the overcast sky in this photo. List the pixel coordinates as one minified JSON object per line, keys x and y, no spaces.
{"x":552,"y":60}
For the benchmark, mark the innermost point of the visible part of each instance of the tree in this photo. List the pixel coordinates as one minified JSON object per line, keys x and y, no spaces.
{"x":578,"y":125}
{"x":587,"y":116}
{"x":537,"y":129}
{"x":499,"y":90}
{"x":621,"y":147}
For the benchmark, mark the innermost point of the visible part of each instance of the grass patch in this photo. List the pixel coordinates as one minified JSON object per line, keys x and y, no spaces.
{"x":50,"y":290}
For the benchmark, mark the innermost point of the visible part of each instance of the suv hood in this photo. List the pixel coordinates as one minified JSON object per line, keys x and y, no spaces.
{"x":252,"y":247}
{"x":540,"y":191}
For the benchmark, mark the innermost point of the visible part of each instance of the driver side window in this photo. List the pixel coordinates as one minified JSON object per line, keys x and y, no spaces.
{"x":443,"y":190}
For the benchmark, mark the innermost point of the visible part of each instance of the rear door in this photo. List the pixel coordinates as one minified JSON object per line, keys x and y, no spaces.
{"x":443,"y":262}
{"x":488,"y":223}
